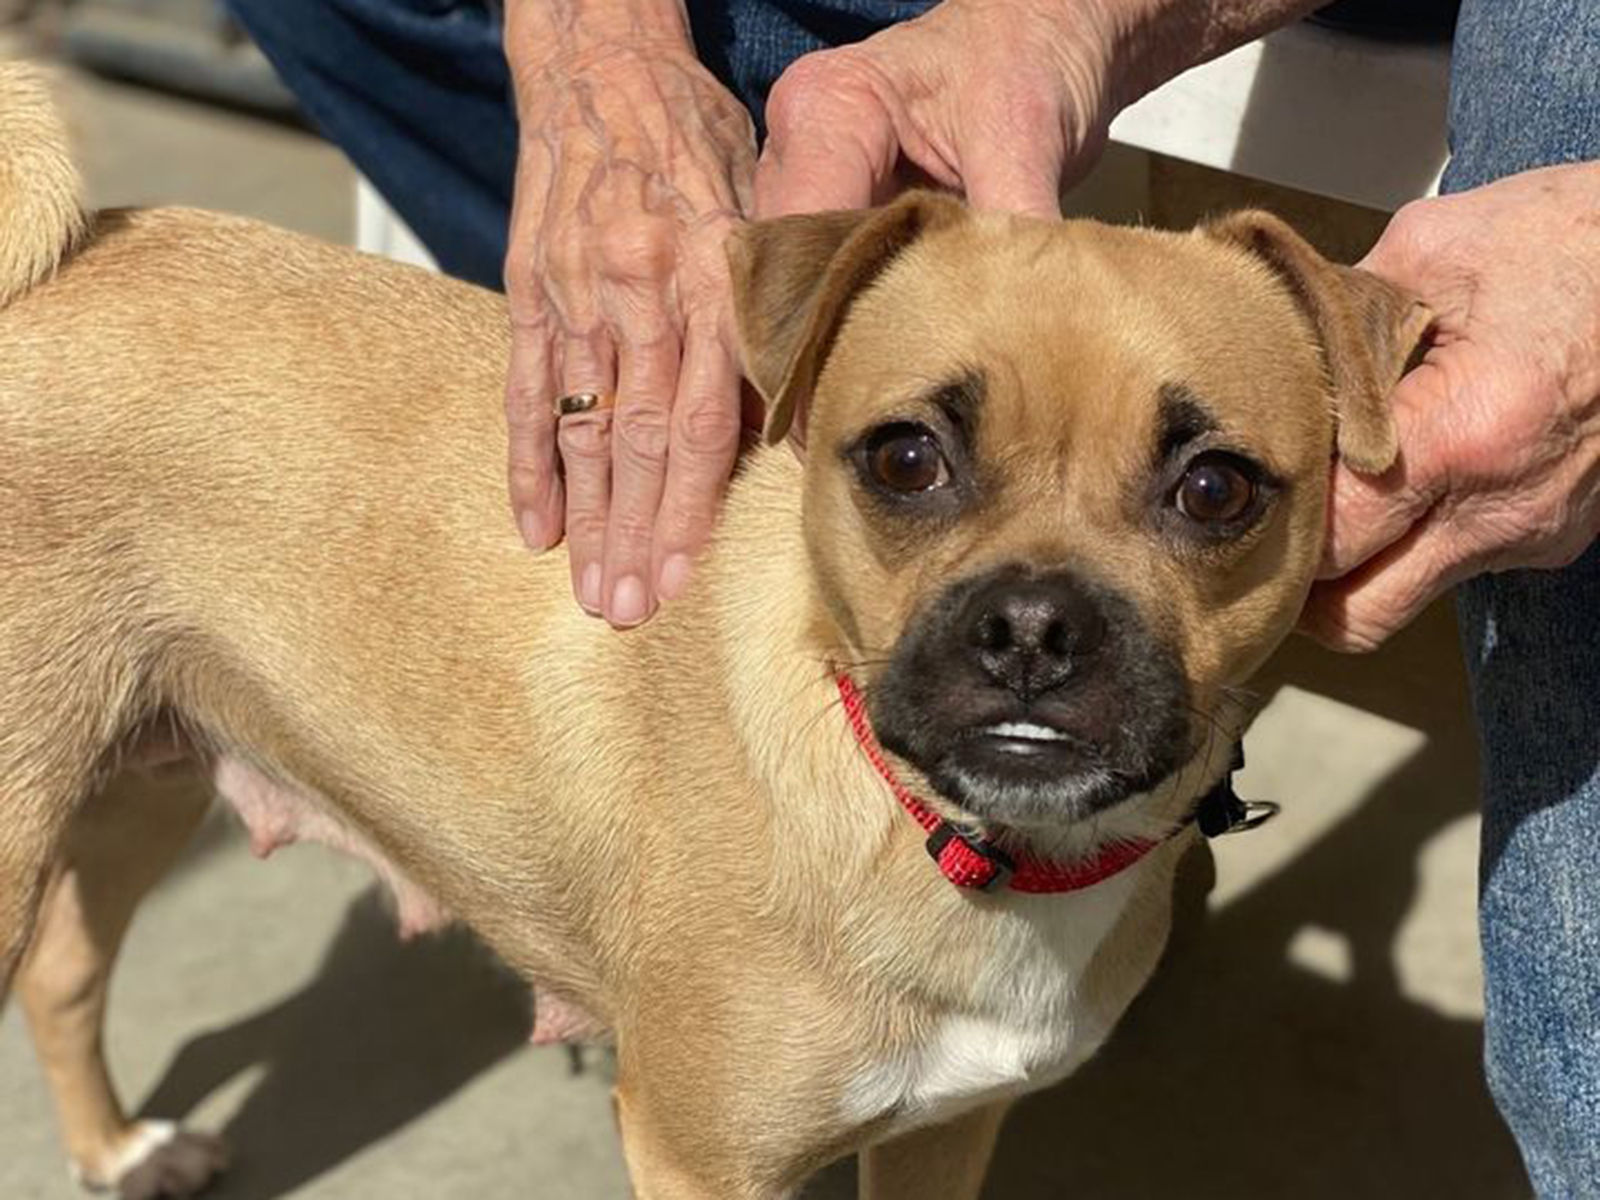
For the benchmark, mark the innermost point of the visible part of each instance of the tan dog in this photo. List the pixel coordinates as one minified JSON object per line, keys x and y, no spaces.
{"x":1064,"y":489}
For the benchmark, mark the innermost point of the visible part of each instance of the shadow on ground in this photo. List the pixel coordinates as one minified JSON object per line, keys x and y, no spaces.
{"x":385,"y":1032}
{"x":1239,"y":1074}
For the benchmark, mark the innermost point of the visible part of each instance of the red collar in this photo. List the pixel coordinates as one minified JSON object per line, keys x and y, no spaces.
{"x":971,"y":861}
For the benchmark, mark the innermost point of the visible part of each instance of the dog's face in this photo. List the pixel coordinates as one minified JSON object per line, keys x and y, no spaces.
{"x":1065,"y":483}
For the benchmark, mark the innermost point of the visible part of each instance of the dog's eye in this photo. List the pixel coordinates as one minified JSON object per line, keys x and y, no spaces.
{"x":1215,"y":490}
{"x":906,"y":458}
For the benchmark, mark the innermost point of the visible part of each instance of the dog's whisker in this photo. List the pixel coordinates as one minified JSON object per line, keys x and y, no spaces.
{"x":836,"y":703}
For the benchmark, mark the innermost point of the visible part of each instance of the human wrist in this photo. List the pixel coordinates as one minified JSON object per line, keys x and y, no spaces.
{"x":542,"y":37}
{"x":1155,"y":40}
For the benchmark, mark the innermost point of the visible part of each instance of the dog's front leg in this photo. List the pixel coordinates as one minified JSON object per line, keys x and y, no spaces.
{"x":679,"y":1152}
{"x":938,"y":1162}
{"x":119,"y":845}
{"x":659,"y":1168}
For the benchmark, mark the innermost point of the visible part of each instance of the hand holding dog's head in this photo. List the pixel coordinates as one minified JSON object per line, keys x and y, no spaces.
{"x":1065,"y":483}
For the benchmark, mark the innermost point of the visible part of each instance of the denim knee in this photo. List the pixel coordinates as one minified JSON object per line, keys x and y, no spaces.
{"x":418,"y":95}
{"x":1535,"y":672}
{"x":1523,"y":88}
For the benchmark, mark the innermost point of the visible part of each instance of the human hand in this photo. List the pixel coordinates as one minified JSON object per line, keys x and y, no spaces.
{"x":634,"y":164}
{"x":1499,"y":426}
{"x":1006,"y":101}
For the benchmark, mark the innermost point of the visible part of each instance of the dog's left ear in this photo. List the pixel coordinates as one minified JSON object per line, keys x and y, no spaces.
{"x":794,"y":279}
{"x":1369,"y":331}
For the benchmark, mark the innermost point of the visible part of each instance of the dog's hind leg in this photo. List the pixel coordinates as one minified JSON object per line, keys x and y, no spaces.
{"x":119,"y":845}
{"x":69,"y":692}
{"x":37,"y":800}
{"x":52,"y":737}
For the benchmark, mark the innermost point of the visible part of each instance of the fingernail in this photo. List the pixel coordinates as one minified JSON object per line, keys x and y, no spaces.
{"x":589,"y":589}
{"x":532,"y":532}
{"x":629,"y":605}
{"x":674,"y":574}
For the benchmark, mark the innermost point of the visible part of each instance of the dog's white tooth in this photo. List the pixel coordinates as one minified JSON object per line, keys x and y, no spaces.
{"x":1025,"y":729}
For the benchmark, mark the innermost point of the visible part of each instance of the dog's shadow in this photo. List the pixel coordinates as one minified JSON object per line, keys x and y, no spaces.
{"x":385,"y":1032}
{"x":1241,"y":1074}
{"x":1237,"y":1074}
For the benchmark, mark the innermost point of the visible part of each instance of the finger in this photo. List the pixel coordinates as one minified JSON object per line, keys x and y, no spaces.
{"x":1383,"y":259}
{"x":831,"y":143}
{"x":584,"y":440}
{"x":1368,"y":513}
{"x":814,"y":175}
{"x":533,"y":470}
{"x":1360,"y":612}
{"x":1398,"y":252}
{"x":585,"y":443}
{"x":647,"y":378}
{"x":1019,"y":171}
{"x":706,"y":423}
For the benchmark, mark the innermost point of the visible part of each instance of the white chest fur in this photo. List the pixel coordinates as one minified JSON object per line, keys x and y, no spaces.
{"x":1024,"y":1024}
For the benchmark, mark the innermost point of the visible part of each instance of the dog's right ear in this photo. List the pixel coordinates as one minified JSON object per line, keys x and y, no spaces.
{"x":794,"y":279}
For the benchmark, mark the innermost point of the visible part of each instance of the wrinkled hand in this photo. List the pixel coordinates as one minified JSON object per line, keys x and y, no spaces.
{"x":1500,"y":424}
{"x":1004,"y":100}
{"x":634,"y":164}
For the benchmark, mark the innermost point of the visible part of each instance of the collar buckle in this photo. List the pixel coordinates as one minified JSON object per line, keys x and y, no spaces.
{"x":1222,"y":812}
{"x":968,"y":860}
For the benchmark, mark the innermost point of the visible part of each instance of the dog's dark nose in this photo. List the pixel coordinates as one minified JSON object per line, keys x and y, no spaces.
{"x":1031,"y":635}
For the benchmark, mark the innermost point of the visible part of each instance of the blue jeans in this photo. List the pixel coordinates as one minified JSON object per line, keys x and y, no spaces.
{"x":1526,"y":93}
{"x":416,"y":92}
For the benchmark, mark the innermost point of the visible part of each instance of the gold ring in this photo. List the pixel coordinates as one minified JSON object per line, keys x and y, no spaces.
{"x":580,"y":402}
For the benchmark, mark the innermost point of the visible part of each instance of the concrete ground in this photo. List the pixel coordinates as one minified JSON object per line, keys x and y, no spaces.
{"x":1316,"y":1034}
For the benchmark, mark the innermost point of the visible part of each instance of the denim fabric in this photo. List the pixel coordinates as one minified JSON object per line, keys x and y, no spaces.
{"x":748,"y":43}
{"x":1525,"y":92}
{"x":1535,"y":665}
{"x":417,"y":93}
{"x":1525,"y":88}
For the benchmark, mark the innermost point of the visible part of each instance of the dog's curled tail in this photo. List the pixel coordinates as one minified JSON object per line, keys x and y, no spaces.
{"x":41,"y":207}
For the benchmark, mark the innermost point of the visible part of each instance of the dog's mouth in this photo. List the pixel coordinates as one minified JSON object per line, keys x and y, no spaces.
{"x":1030,"y":771}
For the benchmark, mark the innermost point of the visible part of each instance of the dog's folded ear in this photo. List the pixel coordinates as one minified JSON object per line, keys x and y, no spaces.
{"x":793,"y":281}
{"x":1369,"y":330}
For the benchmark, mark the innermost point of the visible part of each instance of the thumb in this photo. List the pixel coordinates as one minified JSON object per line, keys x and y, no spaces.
{"x":1360,"y":612}
{"x":831,"y":143}
{"x":1011,"y":165}
{"x":1368,"y":514}
{"x":814,"y":173}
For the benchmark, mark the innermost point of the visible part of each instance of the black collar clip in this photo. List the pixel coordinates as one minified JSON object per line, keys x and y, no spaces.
{"x":1221,"y":811}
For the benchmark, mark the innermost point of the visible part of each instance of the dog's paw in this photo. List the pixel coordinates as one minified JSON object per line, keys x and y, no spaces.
{"x":159,"y":1161}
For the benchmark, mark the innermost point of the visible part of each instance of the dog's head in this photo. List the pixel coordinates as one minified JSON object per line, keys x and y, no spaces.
{"x":1065,"y":483}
